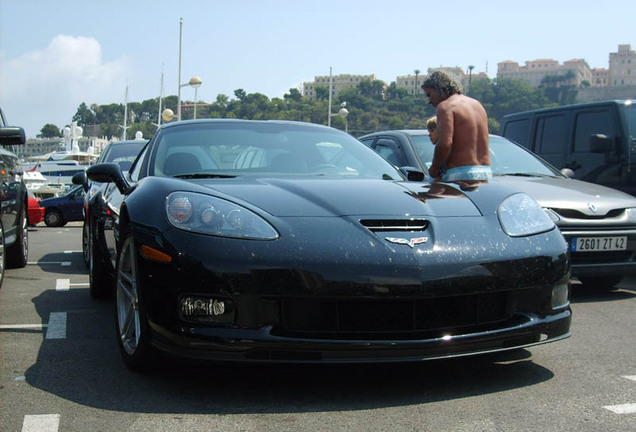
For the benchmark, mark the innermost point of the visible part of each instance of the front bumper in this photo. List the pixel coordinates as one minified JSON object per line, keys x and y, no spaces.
{"x":261,"y":345}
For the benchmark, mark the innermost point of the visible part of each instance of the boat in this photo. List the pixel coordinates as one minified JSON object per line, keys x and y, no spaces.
{"x":60,"y":171}
{"x":40,"y":186}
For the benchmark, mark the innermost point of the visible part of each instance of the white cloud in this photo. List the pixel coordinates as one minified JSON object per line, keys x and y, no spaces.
{"x":47,"y":86}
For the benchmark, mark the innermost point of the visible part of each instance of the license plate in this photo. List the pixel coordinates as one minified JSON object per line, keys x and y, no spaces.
{"x":598,"y":244}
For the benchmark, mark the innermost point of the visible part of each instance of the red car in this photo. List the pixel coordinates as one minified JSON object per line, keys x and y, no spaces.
{"x":35,"y":210}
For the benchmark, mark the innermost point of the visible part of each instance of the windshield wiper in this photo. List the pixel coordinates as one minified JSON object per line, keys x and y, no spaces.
{"x":522,"y":174}
{"x":200,"y":176}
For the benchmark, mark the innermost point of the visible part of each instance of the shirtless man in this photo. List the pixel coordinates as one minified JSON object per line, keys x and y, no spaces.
{"x":461,"y":151}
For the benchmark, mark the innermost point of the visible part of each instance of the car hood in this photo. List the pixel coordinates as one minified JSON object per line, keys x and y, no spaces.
{"x":324,"y":197}
{"x":565,"y":193}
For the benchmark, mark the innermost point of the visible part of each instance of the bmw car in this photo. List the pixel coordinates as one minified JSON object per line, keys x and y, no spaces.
{"x":598,"y":222}
{"x":277,"y":241}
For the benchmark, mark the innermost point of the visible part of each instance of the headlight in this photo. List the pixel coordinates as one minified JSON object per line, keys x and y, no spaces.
{"x":631,"y":214}
{"x":520,"y":215}
{"x":215,"y":216}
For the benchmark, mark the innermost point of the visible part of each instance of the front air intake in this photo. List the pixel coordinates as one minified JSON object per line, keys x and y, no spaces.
{"x":379,"y":225}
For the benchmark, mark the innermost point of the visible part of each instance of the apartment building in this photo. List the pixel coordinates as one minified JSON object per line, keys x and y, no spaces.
{"x":621,"y":72}
{"x":413,"y":83}
{"x":338,"y":83}
{"x":622,"y":67}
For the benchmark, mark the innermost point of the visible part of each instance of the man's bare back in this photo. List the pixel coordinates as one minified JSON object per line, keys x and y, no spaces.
{"x":462,"y":127}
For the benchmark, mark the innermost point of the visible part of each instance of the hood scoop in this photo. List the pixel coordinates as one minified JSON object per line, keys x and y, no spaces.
{"x":381,"y":225}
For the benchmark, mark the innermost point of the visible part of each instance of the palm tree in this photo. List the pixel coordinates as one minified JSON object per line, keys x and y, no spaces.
{"x":417,"y":72}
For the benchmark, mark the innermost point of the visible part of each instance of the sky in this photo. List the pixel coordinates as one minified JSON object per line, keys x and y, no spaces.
{"x":54,"y":55}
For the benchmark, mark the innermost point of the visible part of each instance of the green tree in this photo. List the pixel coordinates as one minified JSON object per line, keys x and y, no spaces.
{"x":84,"y":116}
{"x":322,"y":93}
{"x":50,"y":131}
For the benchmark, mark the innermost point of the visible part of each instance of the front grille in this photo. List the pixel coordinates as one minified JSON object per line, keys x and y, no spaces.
{"x":575,"y":214}
{"x":393,"y":318}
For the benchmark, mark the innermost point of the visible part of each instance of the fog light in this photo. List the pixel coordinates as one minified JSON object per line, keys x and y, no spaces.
{"x":207,"y":309}
{"x":561,"y":295}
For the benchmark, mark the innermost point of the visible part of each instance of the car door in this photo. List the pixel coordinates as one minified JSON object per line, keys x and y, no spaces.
{"x":9,"y":193}
{"x":73,"y":207}
{"x":551,"y":139}
{"x":587,"y":123}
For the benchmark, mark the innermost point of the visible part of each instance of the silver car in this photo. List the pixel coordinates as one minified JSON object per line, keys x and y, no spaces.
{"x":598,"y":222}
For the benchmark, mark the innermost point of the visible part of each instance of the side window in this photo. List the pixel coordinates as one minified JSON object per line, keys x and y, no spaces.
{"x":367,"y":141}
{"x":592,"y":123}
{"x":390,"y":150}
{"x":551,"y":135}
{"x":518,"y":131}
{"x":137,"y":165}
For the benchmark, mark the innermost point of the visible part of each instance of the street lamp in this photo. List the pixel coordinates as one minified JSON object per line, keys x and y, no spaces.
{"x":342,"y":112}
{"x":330,"y":90}
{"x":195,"y":81}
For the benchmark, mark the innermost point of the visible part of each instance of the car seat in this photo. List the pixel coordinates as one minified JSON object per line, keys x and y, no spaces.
{"x":181,"y":163}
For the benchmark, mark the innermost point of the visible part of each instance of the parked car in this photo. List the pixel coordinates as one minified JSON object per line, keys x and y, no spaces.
{"x":593,"y":141}
{"x":58,"y":211}
{"x":35,"y":210}
{"x":14,"y":235}
{"x":278,"y":241}
{"x":122,"y":153}
{"x":599,"y":223}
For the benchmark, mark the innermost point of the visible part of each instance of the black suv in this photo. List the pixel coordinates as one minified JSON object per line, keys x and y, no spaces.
{"x":14,"y":237}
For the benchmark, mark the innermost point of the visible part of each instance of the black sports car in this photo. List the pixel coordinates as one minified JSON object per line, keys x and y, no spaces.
{"x":280,"y":241}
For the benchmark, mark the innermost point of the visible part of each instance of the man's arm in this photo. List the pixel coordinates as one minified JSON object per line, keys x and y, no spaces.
{"x":444,"y":139}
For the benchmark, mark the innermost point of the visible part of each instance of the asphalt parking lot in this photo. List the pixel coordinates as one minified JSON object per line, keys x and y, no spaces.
{"x":60,"y":371}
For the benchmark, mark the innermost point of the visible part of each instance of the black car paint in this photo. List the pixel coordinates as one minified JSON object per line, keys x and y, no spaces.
{"x":14,"y":238}
{"x":331,"y":256}
{"x":606,"y":268}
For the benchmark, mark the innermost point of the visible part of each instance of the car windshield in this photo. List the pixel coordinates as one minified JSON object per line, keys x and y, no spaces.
{"x":506,"y":158}
{"x":227,"y":149}
{"x":122,"y":153}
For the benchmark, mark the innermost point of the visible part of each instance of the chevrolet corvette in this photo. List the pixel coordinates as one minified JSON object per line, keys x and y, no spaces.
{"x":279,"y":241}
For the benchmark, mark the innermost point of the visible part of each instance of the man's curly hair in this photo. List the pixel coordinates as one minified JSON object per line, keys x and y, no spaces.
{"x":443,"y":83}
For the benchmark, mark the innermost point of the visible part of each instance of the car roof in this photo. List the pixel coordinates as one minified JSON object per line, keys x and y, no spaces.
{"x":238,"y":121}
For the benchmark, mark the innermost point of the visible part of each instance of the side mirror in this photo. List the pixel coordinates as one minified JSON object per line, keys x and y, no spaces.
{"x":12,"y":135}
{"x":412,"y":173}
{"x":600,"y":143}
{"x":80,"y":179}
{"x":567,"y":172}
{"x":109,"y":172}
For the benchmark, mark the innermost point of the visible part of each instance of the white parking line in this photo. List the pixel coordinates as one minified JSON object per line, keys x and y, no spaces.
{"x":22,"y":326}
{"x":62,"y":284}
{"x":57,"y":326}
{"x":65,"y":284}
{"x":41,"y":423}
{"x":62,"y":263}
{"x":629,"y":408}
{"x":622,"y":409}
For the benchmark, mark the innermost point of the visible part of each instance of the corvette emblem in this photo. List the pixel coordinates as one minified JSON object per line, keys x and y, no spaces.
{"x":409,"y":242}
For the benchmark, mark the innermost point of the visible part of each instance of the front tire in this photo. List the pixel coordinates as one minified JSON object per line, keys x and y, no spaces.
{"x":133,"y":331}
{"x":100,"y":282}
{"x":86,"y":252}
{"x":17,"y":254}
{"x":3,"y":254}
{"x":54,"y":218}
